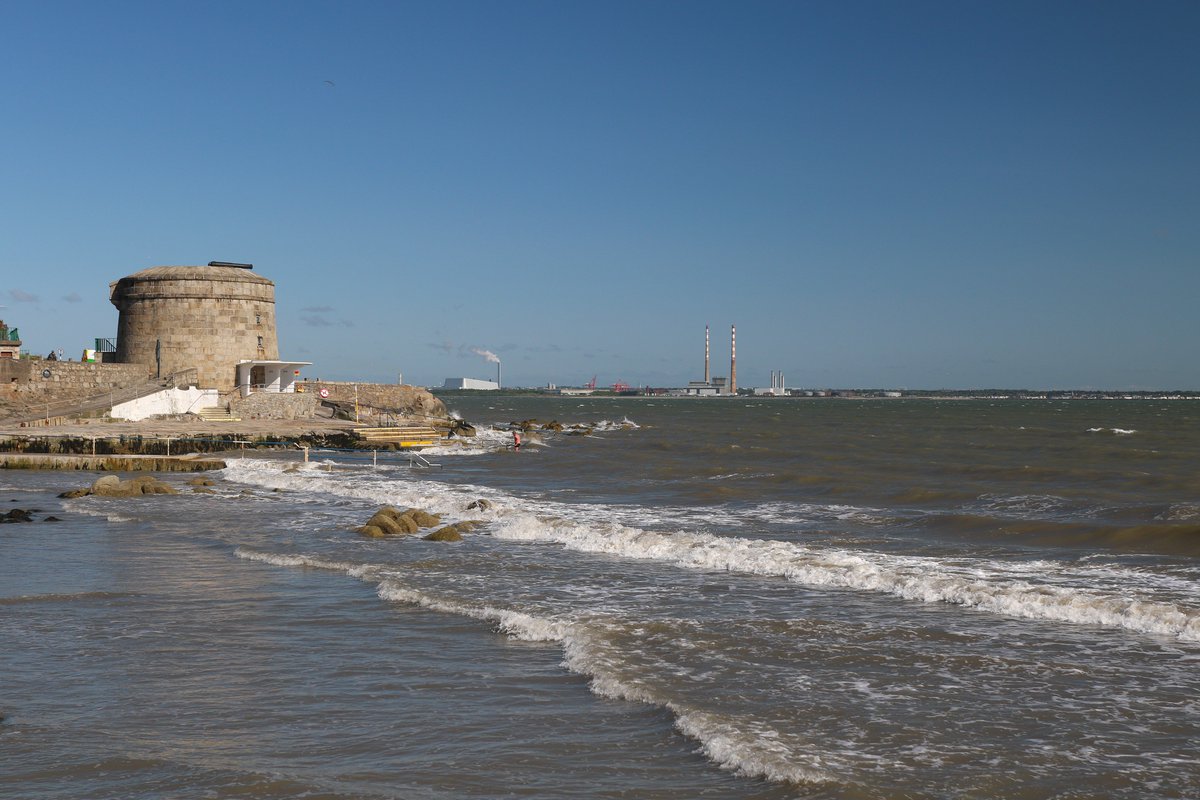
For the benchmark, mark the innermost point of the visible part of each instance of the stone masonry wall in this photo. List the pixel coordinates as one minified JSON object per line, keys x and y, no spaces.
{"x":76,"y":378}
{"x":409,"y":400}
{"x":268,"y":405}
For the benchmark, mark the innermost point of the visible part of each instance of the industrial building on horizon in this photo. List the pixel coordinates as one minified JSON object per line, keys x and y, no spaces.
{"x":710,"y":386}
{"x":470,"y":383}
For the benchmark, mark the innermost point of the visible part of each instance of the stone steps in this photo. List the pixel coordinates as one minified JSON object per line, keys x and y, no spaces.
{"x":216,"y":414}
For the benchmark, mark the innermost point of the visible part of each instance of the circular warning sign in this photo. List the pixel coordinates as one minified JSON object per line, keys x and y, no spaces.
{"x":324,"y":393}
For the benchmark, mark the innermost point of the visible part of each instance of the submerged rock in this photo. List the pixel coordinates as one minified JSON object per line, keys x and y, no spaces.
{"x":407,"y":523}
{"x":449,"y":533}
{"x":462,"y":428}
{"x":386,"y":522}
{"x":113,"y":486}
{"x":390,"y":521}
{"x":17,"y":515}
{"x":372,"y":531}
{"x":481,"y":504}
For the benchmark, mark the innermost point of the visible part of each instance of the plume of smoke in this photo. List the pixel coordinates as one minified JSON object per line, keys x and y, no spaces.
{"x":488,"y":354}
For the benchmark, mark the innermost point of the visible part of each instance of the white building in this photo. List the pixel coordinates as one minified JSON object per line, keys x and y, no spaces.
{"x":778,"y":387}
{"x":470,"y":383}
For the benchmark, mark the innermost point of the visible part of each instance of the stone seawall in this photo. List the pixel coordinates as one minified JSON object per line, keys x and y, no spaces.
{"x":374,"y":398}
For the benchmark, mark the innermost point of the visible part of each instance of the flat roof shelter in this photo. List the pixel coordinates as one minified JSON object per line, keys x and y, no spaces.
{"x":276,"y":377}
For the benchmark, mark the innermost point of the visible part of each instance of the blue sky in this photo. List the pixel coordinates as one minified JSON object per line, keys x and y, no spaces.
{"x":893,"y":194}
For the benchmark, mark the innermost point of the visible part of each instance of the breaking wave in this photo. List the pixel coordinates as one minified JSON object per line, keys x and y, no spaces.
{"x":1025,"y":592}
{"x":740,"y":746}
{"x":1042,"y":590}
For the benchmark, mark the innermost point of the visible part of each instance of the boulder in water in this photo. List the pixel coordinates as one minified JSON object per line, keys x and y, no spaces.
{"x":481,"y":504}
{"x":372,"y":531}
{"x":462,"y":428}
{"x":113,"y":486}
{"x":448,"y":533}
{"x":423,"y":518}
{"x":407,"y":523}
{"x":386,"y":523}
{"x":105,"y":482}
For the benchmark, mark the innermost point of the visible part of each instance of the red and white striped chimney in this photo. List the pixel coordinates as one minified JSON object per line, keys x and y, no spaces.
{"x":706,"y":380}
{"x":733,"y":359}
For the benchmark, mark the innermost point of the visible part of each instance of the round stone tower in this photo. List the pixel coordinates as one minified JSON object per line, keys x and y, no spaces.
{"x":207,"y":318}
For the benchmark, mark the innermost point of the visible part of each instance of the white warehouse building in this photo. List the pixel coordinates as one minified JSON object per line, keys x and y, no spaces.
{"x":469,"y":383}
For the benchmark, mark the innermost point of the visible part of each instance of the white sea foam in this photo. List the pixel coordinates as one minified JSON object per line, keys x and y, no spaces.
{"x":973,"y":583}
{"x":366,"y":571}
{"x":80,"y":506}
{"x":1047,"y":590}
{"x":1115,"y":431}
{"x":732,"y":744}
{"x":724,"y":742}
{"x":742,"y":746}
{"x":520,"y":626}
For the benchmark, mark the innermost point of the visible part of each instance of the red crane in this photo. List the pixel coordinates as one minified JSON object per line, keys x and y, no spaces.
{"x":590,"y":384}
{"x":621,"y":386}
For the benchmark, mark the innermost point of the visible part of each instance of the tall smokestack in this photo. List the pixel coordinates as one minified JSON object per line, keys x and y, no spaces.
{"x":706,"y":380}
{"x":733,"y":359}
{"x":498,"y":384}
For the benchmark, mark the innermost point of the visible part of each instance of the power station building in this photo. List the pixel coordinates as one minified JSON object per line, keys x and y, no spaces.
{"x":710,"y":386}
{"x":217,"y":319}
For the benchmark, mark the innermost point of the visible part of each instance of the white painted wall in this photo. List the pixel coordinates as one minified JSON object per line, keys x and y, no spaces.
{"x":168,"y":401}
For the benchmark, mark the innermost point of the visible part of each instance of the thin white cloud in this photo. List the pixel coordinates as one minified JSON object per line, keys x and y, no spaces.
{"x":22,"y":296}
{"x":315,"y":321}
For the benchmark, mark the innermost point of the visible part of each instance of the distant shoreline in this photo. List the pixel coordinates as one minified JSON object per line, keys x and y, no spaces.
{"x":847,"y":395}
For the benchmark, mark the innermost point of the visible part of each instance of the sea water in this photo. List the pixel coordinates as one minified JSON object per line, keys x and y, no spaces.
{"x":701,"y":598}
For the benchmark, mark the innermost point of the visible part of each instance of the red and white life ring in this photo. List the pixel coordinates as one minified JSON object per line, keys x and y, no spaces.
{"x":324,"y":393}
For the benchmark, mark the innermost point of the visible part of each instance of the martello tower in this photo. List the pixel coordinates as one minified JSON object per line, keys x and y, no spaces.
{"x":209,"y":318}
